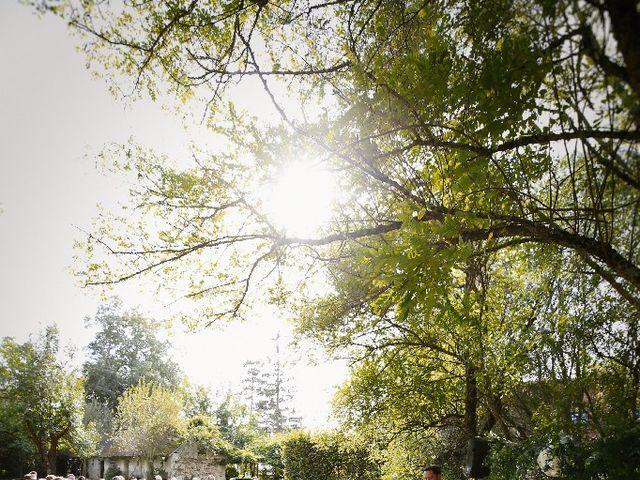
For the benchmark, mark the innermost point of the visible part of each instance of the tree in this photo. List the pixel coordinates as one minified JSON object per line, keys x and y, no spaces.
{"x":197,"y":401}
{"x":530,"y":136}
{"x":125,"y":351}
{"x":490,"y":155}
{"x":101,"y":416}
{"x":238,"y":425}
{"x":17,"y":454}
{"x":268,"y":451}
{"x":269,"y":392}
{"x":252,"y":381}
{"x":148,"y":421}
{"x":43,"y":399}
{"x":277,"y":392}
{"x":271,"y":407}
{"x":526,"y":359}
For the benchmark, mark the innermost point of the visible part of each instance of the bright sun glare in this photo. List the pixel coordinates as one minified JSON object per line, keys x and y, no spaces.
{"x":299,"y":200}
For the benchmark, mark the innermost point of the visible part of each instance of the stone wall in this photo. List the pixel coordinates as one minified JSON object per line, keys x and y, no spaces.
{"x":95,"y":468}
{"x":120,"y":462}
{"x":186,"y":463}
{"x":129,"y":466}
{"x":139,"y":468}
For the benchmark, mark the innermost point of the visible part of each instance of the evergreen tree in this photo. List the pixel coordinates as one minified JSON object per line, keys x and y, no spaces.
{"x":269,"y":392}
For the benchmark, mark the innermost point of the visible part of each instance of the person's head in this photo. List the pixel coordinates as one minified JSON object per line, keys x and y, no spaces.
{"x":431,"y":472}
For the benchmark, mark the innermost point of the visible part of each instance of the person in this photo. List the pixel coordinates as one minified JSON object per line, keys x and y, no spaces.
{"x":431,"y":472}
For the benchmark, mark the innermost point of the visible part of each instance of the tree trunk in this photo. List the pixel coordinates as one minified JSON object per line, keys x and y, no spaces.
{"x":42,"y":453}
{"x":625,"y":21}
{"x":51,"y":457}
{"x":471,"y":401}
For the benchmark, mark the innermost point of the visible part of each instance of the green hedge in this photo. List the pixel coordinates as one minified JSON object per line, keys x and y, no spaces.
{"x":328,"y":456}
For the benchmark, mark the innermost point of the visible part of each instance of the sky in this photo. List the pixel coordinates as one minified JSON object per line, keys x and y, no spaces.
{"x":54,"y":118}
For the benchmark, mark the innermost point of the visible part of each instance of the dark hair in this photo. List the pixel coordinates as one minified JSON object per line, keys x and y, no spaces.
{"x":434,"y":468}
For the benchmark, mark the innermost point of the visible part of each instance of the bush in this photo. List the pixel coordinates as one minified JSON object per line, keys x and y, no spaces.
{"x":329,"y":456}
{"x":230,"y":471}
{"x":112,"y":472}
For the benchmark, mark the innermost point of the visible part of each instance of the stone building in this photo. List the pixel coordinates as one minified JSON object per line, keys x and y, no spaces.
{"x":184,"y":463}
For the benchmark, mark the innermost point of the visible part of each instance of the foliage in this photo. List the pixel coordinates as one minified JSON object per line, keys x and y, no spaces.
{"x":326,"y":456}
{"x":268,"y":452}
{"x":205,"y":434}
{"x":17,"y":454}
{"x":269,"y":393}
{"x":237,"y":423}
{"x":148,"y":421}
{"x":101,"y":416}
{"x":482,"y":268}
{"x":197,"y":401}
{"x":521,"y":365}
{"x":230,"y":429}
{"x":112,"y":471}
{"x":247,"y":444}
{"x":125,"y":351}
{"x":42,"y":400}
{"x":461,"y":127}
{"x":615,"y":456}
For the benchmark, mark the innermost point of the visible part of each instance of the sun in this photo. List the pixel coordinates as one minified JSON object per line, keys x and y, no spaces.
{"x":299,"y":200}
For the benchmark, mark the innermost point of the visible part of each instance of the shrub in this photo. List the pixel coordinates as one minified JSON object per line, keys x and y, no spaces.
{"x":329,"y":456}
{"x":111,"y":472}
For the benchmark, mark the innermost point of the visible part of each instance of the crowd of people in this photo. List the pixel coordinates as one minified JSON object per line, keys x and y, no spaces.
{"x":430,"y":472}
{"x":34,"y":476}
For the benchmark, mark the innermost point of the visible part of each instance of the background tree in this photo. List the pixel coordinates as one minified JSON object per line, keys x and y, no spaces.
{"x":268,"y":451}
{"x":126,"y":350}
{"x":237,"y":423}
{"x":268,"y":392}
{"x":197,"y":401}
{"x":252,"y":382}
{"x":99,"y":415}
{"x":44,"y":399}
{"x":148,"y":421}
{"x":17,"y":454}
{"x":277,"y":392}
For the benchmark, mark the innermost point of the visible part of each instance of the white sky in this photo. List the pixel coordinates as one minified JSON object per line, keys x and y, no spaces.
{"x":52,"y":117}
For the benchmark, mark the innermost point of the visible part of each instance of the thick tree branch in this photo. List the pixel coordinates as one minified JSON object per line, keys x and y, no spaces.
{"x":625,"y":21}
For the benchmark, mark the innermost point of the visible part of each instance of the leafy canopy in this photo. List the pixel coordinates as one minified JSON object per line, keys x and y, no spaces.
{"x":126,"y":350}
{"x":44,"y":399}
{"x":148,"y":421}
{"x":456,"y":128}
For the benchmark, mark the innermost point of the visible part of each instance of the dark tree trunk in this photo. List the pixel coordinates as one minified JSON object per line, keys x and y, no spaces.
{"x":471,"y":401}
{"x":51,"y":455}
{"x":625,"y":21}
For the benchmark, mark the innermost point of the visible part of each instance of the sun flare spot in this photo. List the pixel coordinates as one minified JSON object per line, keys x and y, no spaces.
{"x":299,"y":199}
